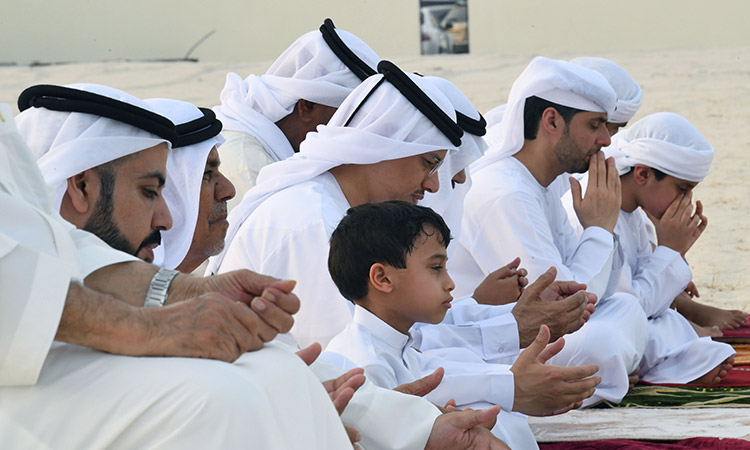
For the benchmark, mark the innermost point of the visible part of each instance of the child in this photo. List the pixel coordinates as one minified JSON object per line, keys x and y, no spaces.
{"x":389,"y":260}
{"x":661,"y":158}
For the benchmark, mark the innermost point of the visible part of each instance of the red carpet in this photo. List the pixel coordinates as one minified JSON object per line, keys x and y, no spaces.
{"x":624,"y":444}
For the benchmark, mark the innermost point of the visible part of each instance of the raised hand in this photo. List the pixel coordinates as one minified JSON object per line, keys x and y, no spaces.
{"x":542,"y":390}
{"x":463,"y":430}
{"x":601,"y":205}
{"x":502,"y":286}
{"x":679,"y":228}
{"x":561,"y":305}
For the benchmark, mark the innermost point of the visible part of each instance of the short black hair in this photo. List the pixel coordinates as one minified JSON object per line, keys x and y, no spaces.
{"x":532,"y":114}
{"x":377,"y":233}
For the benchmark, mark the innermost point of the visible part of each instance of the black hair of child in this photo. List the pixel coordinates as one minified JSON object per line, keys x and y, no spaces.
{"x":382,"y":233}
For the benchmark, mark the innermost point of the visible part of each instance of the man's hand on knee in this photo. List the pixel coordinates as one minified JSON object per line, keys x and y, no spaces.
{"x":542,"y":390}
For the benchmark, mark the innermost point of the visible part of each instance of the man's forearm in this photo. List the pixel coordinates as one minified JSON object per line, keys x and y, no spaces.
{"x":99,"y":321}
{"x":129,"y":282}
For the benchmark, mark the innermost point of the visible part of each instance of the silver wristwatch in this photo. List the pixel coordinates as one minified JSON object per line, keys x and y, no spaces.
{"x":157,"y":290}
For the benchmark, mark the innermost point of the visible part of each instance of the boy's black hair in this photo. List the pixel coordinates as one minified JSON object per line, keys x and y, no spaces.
{"x":377,"y":233}
{"x":532,"y":114}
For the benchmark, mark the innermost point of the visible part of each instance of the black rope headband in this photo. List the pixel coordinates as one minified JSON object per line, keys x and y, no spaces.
{"x":198,"y":130}
{"x":421,"y":101}
{"x":60,"y":98}
{"x":477,"y":127}
{"x":345,"y":54}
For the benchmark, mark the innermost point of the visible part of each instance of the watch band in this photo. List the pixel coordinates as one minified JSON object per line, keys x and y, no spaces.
{"x":157,"y":290}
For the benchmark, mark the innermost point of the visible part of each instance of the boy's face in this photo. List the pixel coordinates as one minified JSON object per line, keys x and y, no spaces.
{"x":424,"y":287}
{"x":659,"y":194}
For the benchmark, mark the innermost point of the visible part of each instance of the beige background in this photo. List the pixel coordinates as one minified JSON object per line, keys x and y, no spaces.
{"x":87,"y":30}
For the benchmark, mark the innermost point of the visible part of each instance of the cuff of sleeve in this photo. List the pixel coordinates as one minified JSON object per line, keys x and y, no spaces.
{"x":500,"y":340}
{"x":599,"y":234}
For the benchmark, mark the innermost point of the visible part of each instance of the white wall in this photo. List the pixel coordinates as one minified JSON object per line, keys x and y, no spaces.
{"x":250,"y":30}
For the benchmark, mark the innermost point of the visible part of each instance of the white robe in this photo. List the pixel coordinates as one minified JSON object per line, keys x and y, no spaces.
{"x":675,"y":353}
{"x":242,"y":157}
{"x":507,"y":213}
{"x":71,"y":397}
{"x":390,"y":360}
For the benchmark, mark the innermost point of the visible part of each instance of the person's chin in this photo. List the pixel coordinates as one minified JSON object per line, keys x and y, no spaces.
{"x":146,"y":254}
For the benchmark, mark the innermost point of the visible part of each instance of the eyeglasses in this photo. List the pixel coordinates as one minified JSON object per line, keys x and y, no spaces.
{"x":438,"y":162}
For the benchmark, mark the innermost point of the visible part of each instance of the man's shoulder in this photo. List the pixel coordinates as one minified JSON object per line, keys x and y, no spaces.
{"x":356,"y":343}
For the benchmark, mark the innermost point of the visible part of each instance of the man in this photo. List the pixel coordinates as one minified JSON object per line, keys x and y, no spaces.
{"x":184,"y":204}
{"x":266,"y":117}
{"x":197,"y":194}
{"x":290,"y":214}
{"x":210,"y":326}
{"x":660,"y":159}
{"x":107,"y":177}
{"x":555,"y":122}
{"x":172,"y":402}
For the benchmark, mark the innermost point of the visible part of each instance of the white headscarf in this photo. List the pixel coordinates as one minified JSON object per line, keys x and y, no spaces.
{"x":556,"y":81}
{"x":449,"y":201}
{"x":68,"y":143}
{"x":307,"y":70}
{"x":385,"y":127}
{"x":629,"y":93}
{"x":494,"y":118}
{"x":182,"y":190}
{"x":665,"y":141}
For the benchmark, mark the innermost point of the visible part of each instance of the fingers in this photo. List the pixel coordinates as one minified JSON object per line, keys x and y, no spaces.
{"x":354,"y":435}
{"x":342,"y":398}
{"x":613,"y":177}
{"x":276,"y":319}
{"x":310,"y":353}
{"x":601,"y":170}
{"x":288,"y":302}
{"x":567,"y":288}
{"x":285,"y":286}
{"x":422,"y":386}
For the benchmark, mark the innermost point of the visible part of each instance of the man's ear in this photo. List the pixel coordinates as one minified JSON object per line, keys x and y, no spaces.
{"x":552,"y":122}
{"x":641,"y":174}
{"x":80,"y":191}
{"x":305,"y":110}
{"x":380,"y":278}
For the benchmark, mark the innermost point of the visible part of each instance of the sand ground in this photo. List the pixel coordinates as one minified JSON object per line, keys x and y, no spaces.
{"x":709,"y":87}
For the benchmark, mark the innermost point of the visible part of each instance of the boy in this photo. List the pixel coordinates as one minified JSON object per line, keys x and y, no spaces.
{"x":389,"y":260}
{"x":660,"y":159}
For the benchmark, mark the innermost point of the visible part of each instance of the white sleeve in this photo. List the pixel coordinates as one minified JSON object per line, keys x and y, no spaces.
{"x":470,"y":382}
{"x":33,"y":288}
{"x":301,"y":256}
{"x":516,"y":225}
{"x":93,"y":253}
{"x":242,"y":157}
{"x":491,"y":332}
{"x":660,"y":275}
{"x":387,"y":420}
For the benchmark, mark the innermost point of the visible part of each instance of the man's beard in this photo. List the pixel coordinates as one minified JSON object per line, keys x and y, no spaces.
{"x":569,"y":154}
{"x":102,"y":224}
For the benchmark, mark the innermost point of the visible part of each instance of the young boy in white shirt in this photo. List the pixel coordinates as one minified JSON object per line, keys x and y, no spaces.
{"x":389,"y":260}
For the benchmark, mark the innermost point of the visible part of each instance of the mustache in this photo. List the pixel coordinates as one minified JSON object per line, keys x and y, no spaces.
{"x":219,"y":210}
{"x":153,"y":238}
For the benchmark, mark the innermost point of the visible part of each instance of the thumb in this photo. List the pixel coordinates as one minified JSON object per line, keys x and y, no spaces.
{"x":310,"y":353}
{"x":534,"y":349}
{"x":468,"y":419}
{"x":541,"y":283}
{"x":422,"y":386}
{"x":514,"y":264}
